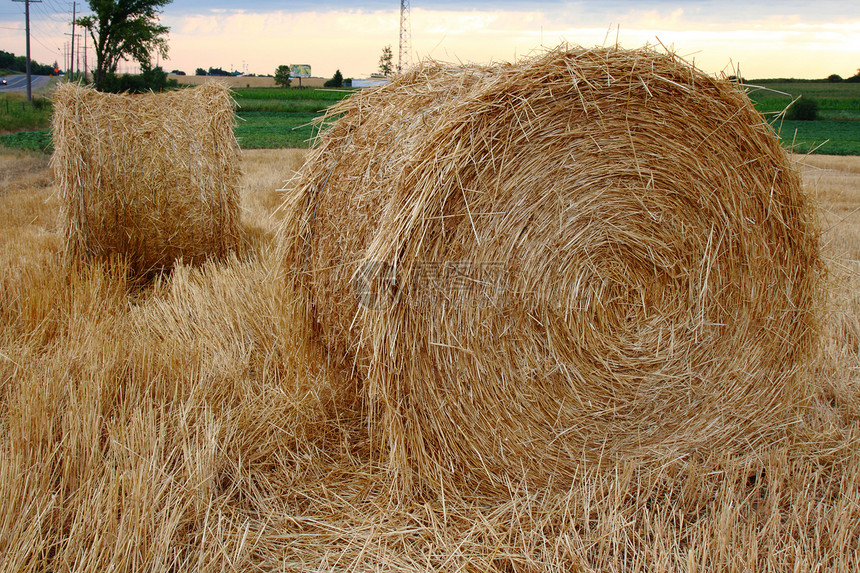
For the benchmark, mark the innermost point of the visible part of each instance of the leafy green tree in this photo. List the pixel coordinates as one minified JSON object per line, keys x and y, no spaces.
{"x":282,"y":76}
{"x":123,"y":30}
{"x":834,"y":78}
{"x":386,"y":61}
{"x":199,"y":72}
{"x":336,"y":80}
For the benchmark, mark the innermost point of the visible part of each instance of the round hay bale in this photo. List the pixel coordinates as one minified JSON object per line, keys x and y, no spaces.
{"x":151,"y":177}
{"x":587,"y":255}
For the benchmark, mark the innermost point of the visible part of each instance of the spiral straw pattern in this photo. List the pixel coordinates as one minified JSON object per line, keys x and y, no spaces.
{"x":586,"y":255}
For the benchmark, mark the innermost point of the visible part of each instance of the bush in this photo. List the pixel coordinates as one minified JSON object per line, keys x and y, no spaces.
{"x":336,"y":81}
{"x":804,"y":109}
{"x":149,"y":80}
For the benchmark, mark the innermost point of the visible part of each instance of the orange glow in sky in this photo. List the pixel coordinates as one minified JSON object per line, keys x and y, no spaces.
{"x":764,"y":44}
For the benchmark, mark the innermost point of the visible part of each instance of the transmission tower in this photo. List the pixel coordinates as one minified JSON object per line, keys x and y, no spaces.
{"x":403,"y":59}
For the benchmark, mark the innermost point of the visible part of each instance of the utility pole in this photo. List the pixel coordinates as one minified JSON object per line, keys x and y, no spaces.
{"x":85,"y":57}
{"x":72,"y":58}
{"x":27,"y":20}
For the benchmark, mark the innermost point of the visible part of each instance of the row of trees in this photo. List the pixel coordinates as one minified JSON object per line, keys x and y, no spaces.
{"x":214,"y":72}
{"x":837,"y":78}
{"x":9,"y":61}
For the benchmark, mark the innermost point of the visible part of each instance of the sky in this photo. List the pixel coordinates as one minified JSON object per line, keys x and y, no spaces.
{"x":792,"y":38}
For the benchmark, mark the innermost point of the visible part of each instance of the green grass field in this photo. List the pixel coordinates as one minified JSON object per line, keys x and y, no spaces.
{"x":837,"y":129}
{"x":267,"y":118}
{"x":16,"y":114}
{"x":291,"y":100}
{"x":278,"y":118}
{"x":822,"y":136}
{"x":273,"y":130}
{"x":272,"y":118}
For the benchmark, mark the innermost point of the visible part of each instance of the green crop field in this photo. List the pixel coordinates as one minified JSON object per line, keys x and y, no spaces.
{"x":821,"y":136}
{"x":291,"y":100}
{"x":278,"y":117}
{"x":837,"y":129}
{"x":272,"y":130}
{"x":266,"y":118}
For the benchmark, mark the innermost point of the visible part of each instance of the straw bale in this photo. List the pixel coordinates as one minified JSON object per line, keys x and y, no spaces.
{"x":583,"y":256}
{"x":152,"y":177}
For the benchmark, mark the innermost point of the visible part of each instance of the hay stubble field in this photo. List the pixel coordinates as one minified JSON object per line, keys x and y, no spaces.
{"x":169,"y":427}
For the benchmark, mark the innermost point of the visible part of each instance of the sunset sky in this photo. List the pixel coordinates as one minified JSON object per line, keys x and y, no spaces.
{"x":792,"y":38}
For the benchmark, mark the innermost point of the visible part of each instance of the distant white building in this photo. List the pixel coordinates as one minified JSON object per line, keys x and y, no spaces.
{"x":369,"y":82}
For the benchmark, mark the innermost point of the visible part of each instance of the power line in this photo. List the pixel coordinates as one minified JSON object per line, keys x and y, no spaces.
{"x":46,"y":25}
{"x":41,"y":43}
{"x":54,"y":6}
{"x":36,"y":30}
{"x":52,"y":15}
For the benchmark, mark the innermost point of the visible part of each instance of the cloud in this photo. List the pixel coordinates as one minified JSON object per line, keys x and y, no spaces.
{"x":768,"y":39}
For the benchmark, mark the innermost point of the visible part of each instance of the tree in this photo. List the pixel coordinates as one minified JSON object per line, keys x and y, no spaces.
{"x":282,"y":76}
{"x":336,"y":80}
{"x":123,"y":30}
{"x":386,"y":61}
{"x":199,"y":72}
{"x":834,"y":78}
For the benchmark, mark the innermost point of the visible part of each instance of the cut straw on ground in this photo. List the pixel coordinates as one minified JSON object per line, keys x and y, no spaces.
{"x":203,"y":422}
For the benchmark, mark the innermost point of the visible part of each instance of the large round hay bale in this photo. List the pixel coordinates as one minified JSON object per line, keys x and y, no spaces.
{"x":586,"y":255}
{"x":151,"y":177}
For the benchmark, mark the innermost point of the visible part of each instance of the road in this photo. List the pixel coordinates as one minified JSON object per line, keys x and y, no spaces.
{"x":18,"y":82}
